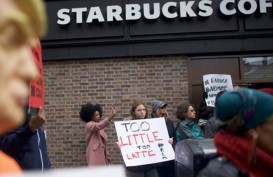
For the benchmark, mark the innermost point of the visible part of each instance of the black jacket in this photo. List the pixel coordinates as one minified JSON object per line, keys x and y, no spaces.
{"x":166,"y":169}
{"x":26,"y":147}
{"x":171,"y":130}
{"x":221,"y":167}
{"x":210,"y":128}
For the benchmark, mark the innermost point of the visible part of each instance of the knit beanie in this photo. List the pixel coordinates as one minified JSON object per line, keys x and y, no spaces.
{"x":249,"y":108}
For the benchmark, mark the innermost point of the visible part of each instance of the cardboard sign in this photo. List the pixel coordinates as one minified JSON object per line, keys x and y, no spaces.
{"x":103,"y":171}
{"x":144,"y":141}
{"x":37,"y":87}
{"x":214,"y":83}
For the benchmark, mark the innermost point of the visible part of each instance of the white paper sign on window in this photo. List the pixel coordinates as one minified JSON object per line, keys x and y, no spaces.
{"x":214,"y":83}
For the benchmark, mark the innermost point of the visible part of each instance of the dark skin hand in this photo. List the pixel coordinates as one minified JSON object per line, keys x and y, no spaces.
{"x":114,"y":113}
{"x":38,"y":120}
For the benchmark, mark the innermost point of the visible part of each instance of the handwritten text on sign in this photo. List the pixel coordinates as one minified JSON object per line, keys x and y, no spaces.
{"x":214,"y":83}
{"x":144,"y":141}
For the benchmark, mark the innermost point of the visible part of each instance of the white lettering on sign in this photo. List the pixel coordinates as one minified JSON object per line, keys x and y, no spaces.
{"x":246,"y":7}
{"x":152,"y":11}
{"x":132,"y":11}
{"x":63,"y":16}
{"x":114,"y":12}
{"x":264,"y":5}
{"x":166,"y":10}
{"x":205,"y":8}
{"x":147,"y":11}
{"x":242,"y":6}
{"x":79,"y":12}
{"x":94,"y":14}
{"x":186,"y":8}
{"x":224,"y":7}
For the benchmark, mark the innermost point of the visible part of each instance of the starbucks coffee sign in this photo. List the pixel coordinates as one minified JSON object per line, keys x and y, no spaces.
{"x":152,"y":11}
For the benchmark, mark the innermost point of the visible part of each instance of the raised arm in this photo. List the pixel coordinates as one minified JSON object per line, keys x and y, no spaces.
{"x":96,"y":126}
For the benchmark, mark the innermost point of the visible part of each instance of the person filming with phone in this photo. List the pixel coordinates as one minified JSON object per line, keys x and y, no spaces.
{"x":96,"y":138}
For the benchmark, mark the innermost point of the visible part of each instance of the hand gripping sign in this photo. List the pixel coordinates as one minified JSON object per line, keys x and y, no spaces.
{"x":144,"y":141}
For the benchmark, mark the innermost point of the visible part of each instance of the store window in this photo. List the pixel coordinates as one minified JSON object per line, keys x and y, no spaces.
{"x":258,"y":68}
{"x":246,"y":71}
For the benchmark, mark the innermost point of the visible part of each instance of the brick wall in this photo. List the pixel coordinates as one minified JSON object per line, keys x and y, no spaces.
{"x":71,"y":83}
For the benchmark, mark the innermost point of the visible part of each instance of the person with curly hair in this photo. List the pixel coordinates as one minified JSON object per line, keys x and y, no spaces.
{"x":96,"y":138}
{"x":187,"y":128}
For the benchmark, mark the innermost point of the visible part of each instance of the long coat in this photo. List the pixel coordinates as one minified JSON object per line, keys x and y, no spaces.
{"x":96,"y":138}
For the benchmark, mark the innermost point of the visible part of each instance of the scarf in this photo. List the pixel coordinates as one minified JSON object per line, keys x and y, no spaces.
{"x":195,"y":130}
{"x":244,"y":154}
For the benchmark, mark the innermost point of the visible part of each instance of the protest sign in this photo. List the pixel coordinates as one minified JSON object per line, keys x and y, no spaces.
{"x":144,"y":141}
{"x":37,"y":87}
{"x":214,"y":83}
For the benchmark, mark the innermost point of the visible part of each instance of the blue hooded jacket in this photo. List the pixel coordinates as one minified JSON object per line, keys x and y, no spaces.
{"x":26,"y":147}
{"x":188,"y":129}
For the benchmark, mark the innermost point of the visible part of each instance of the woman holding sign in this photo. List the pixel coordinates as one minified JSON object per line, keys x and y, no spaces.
{"x":96,"y":138}
{"x":139,"y":111}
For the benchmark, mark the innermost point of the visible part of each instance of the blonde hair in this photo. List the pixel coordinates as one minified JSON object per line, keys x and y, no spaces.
{"x":30,"y":19}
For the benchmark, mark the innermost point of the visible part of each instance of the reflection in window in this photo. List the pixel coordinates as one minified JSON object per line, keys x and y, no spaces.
{"x":258,"y":68}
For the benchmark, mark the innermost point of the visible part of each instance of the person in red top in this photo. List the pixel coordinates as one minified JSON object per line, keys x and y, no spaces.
{"x":20,"y":23}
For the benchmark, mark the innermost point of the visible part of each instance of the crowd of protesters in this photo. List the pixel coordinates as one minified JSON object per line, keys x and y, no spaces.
{"x":239,"y":106}
{"x":241,"y":122}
